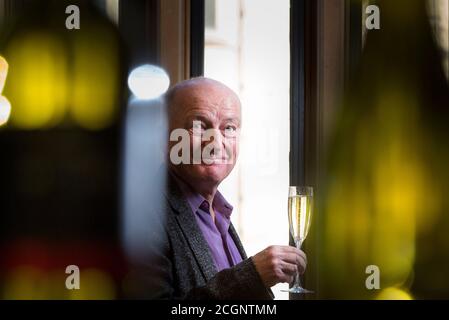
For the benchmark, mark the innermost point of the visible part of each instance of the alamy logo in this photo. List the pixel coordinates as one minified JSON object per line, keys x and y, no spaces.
{"x":373,"y":19}
{"x":373,"y":280}
{"x":73,"y":20}
{"x":72,"y":282}
{"x":219,"y":150}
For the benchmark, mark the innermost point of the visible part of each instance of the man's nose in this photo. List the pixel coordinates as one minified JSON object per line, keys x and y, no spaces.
{"x":214,"y":138}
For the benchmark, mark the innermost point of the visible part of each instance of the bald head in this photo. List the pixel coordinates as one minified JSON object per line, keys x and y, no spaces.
{"x":214,"y":110}
{"x":198,"y":90}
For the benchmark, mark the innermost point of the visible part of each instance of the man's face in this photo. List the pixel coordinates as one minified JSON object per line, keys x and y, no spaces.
{"x":210,"y":112}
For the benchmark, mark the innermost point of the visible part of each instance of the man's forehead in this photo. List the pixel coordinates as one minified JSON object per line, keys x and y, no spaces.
{"x":207,"y":92}
{"x":206,"y":95}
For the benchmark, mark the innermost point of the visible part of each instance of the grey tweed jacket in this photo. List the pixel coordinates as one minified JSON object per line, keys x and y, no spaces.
{"x":182,"y":266}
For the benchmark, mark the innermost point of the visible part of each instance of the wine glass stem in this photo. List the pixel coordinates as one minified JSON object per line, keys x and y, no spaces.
{"x":298,"y":244}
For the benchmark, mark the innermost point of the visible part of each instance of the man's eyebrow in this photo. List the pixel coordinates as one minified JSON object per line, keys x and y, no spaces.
{"x":237,"y":120}
{"x":197,"y":116}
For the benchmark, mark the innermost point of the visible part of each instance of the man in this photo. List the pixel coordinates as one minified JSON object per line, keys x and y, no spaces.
{"x":202,"y":256}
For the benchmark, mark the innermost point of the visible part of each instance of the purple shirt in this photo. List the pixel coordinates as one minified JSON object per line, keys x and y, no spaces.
{"x":222,"y":247}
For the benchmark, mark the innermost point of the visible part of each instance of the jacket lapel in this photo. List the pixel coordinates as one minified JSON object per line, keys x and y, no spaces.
{"x":186,"y":220}
{"x":237,"y":241}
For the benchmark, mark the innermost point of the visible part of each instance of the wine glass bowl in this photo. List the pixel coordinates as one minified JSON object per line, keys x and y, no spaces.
{"x":300,"y":208}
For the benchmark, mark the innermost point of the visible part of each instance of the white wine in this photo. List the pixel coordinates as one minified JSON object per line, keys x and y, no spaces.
{"x":299,"y":214}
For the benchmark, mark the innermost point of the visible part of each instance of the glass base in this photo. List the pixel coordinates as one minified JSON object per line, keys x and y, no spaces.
{"x":297,"y":290}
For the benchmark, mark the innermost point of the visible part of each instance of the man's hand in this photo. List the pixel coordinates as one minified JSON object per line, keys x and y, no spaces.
{"x":278,"y":264}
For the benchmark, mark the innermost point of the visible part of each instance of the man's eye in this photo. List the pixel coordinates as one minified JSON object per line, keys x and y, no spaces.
{"x":198,"y":126}
{"x":230,"y":130}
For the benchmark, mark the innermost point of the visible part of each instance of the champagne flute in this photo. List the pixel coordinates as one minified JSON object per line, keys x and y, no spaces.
{"x":300,"y":206}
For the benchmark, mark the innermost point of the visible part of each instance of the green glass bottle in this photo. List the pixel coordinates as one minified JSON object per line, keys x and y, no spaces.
{"x":60,"y":153}
{"x":384,"y":210}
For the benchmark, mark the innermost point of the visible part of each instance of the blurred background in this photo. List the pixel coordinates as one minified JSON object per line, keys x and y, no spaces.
{"x":361,"y":115}
{"x":60,"y":158}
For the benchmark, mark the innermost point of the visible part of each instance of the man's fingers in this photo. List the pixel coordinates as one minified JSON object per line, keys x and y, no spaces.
{"x":303,"y":255}
{"x":295,"y":258}
{"x":291,"y":257}
{"x":289,"y":268}
{"x":278,"y":264}
{"x":302,"y":266}
{"x":293,"y":250}
{"x":289,"y":249}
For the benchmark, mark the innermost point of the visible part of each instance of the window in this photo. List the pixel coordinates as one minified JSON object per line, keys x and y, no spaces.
{"x":249,"y":50}
{"x":210,"y":14}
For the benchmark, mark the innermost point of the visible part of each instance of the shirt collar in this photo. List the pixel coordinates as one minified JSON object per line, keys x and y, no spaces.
{"x":196,"y":200}
{"x":222,"y":205}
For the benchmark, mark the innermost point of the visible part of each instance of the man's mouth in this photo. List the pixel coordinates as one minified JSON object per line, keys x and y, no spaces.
{"x":216,"y":160}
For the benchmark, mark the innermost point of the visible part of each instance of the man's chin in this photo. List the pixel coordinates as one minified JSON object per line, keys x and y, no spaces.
{"x":216,"y":171}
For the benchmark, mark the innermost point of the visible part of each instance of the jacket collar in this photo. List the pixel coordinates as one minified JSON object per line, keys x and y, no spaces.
{"x":186,"y":221}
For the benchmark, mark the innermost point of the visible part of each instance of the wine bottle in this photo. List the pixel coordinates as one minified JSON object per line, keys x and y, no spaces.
{"x":384,"y":209}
